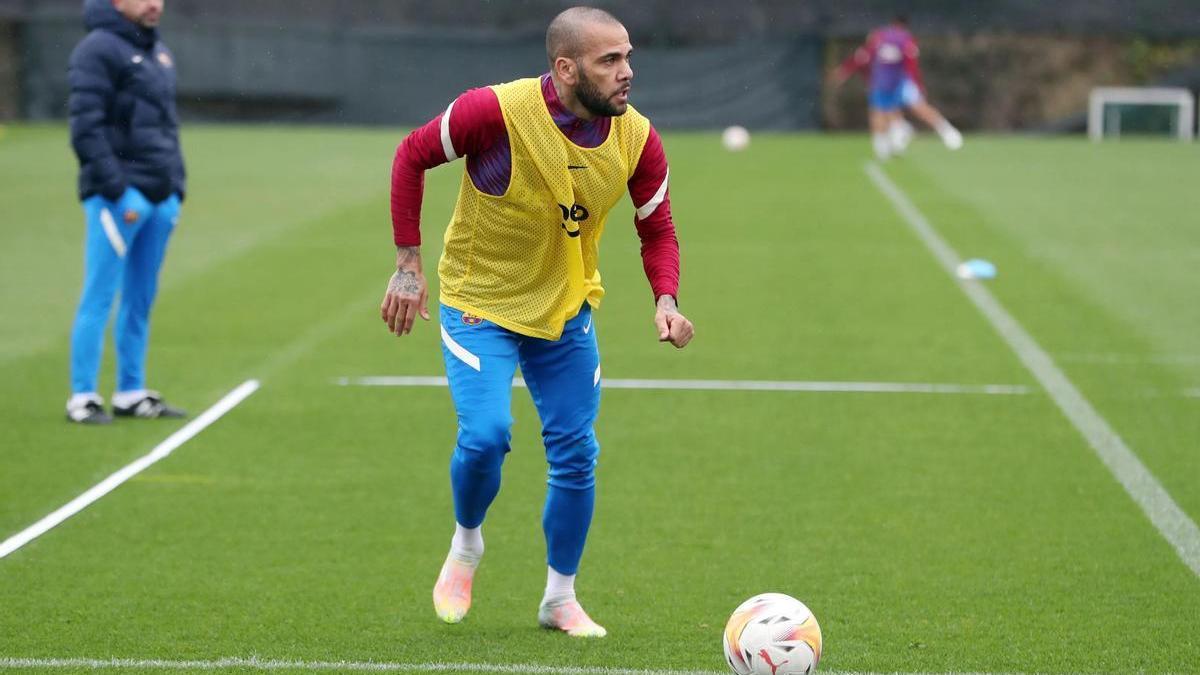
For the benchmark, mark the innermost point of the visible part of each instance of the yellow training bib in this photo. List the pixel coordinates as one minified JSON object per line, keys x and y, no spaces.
{"x":527,"y":260}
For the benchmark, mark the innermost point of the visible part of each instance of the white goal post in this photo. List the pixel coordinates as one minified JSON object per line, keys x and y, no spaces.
{"x":1105,"y":122}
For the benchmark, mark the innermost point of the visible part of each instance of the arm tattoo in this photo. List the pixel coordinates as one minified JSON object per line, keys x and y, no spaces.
{"x":408,"y":256}
{"x":404,"y":282}
{"x":406,"y":279}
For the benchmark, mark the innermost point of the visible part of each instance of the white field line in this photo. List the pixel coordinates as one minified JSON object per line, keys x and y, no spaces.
{"x":130,"y":470}
{"x":725,"y":385}
{"x":254,"y":663}
{"x":339,"y":666}
{"x":280,"y":359}
{"x":1116,"y":359}
{"x":1178,"y":529}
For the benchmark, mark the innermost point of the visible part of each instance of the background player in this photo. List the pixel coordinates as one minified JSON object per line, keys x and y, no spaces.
{"x":888,"y":61}
{"x":547,"y":158}
{"x":125,"y":132}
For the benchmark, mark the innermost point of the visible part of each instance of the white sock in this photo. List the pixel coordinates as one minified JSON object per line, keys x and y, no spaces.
{"x":81,"y":399}
{"x":559,"y":587}
{"x":467,"y":544}
{"x":883,"y":147}
{"x":124,"y":399}
{"x":951,"y":137}
{"x":947,"y":131}
{"x":900,"y":133}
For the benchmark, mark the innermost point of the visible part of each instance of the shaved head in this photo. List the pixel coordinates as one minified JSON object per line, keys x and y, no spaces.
{"x":568,"y":31}
{"x":589,"y":55}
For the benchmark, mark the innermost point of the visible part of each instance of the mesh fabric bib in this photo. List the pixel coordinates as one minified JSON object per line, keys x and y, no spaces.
{"x":527,"y":260}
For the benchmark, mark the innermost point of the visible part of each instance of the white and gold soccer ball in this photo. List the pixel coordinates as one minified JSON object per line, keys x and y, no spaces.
{"x":772,"y":634}
{"x":735,"y":138}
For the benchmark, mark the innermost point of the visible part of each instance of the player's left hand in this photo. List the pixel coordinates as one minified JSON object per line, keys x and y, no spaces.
{"x":672,"y":326}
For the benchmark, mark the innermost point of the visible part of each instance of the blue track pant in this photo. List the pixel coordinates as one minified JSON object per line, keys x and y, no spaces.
{"x":125,"y":256}
{"x":563,"y":377}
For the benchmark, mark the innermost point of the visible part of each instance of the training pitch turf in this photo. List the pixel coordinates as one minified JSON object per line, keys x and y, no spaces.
{"x":947,"y":531}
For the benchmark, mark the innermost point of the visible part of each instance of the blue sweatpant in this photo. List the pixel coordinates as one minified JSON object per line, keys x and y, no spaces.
{"x":125,"y":256}
{"x":563,"y":376}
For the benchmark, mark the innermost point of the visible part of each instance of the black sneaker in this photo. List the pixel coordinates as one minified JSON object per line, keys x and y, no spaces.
{"x":90,"y":411}
{"x":150,"y":406}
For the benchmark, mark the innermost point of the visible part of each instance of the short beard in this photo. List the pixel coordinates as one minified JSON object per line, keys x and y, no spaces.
{"x":143,"y":22}
{"x":590,"y":97}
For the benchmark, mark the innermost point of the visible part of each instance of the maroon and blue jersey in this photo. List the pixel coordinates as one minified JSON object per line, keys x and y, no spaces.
{"x":473,"y":127}
{"x":887,"y":59}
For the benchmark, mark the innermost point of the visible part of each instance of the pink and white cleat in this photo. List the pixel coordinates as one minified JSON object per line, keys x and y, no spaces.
{"x":569,"y":617}
{"x":452,"y":592}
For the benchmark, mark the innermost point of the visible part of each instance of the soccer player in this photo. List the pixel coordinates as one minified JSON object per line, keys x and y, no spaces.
{"x":547,"y":158}
{"x":131,"y":181}
{"x":888,"y":60}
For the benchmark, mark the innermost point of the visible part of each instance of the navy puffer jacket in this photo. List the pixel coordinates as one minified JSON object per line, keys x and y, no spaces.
{"x":124,"y":127}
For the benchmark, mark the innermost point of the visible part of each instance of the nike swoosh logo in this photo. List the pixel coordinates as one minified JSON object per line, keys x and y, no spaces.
{"x":588,"y":328}
{"x":575,"y":166}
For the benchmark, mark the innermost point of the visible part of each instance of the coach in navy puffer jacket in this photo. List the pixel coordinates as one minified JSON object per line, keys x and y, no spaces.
{"x":124,"y":127}
{"x":126,"y":135}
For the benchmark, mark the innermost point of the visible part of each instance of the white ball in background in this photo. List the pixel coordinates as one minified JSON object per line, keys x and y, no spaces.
{"x":735,"y":138}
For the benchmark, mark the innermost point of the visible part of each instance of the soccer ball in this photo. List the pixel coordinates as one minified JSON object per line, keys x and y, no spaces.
{"x":735,"y":138}
{"x":772,"y":634}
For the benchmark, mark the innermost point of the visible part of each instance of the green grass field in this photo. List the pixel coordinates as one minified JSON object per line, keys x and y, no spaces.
{"x":928,"y":532}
